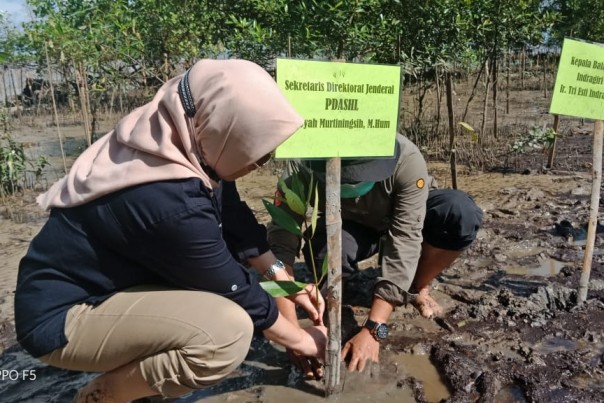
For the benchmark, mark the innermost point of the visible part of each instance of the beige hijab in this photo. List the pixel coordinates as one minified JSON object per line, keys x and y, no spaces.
{"x":240,"y":116}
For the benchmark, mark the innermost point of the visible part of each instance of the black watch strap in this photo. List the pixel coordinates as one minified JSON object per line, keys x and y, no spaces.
{"x":370,"y":324}
{"x":379,"y":331}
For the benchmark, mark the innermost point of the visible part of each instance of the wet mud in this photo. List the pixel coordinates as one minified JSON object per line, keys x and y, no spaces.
{"x":512,"y":330}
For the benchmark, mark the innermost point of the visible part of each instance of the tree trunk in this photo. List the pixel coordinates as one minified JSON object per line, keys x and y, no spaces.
{"x":54,"y":108}
{"x":544,"y":76}
{"x":91,"y":114}
{"x":437,"y":81}
{"x":121,"y":99}
{"x":111,"y":101}
{"x":486,"y":102}
{"x":83,"y":104}
{"x":473,"y":93}
{"x":66,"y":78}
{"x":452,"y":150}
{"x":507,"y":84}
{"x":495,"y":85}
{"x":522,"y":68}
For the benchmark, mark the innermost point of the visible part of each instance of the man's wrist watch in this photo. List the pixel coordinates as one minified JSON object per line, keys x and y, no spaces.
{"x":269,"y":274}
{"x":379,"y":331}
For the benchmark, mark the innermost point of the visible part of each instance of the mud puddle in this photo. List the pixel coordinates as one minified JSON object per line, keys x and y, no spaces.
{"x":545,"y":267}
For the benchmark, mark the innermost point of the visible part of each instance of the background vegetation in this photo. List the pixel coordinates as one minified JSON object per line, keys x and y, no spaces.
{"x":107,"y":56}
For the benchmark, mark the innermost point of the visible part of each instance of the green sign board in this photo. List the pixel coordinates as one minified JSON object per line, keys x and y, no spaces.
{"x":349,"y":109}
{"x":579,"y":88}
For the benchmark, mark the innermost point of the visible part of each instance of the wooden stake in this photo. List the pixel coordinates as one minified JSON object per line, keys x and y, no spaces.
{"x":596,"y":172}
{"x":334,"y":276}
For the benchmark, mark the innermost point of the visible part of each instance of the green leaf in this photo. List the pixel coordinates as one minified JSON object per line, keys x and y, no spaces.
{"x":282,"y":288}
{"x":298,"y":186}
{"x":294,"y":202}
{"x":282,"y":219}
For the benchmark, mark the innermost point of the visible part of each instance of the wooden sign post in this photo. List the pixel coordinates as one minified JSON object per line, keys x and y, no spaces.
{"x":350,"y":110}
{"x":333,"y":222}
{"x":579,"y":91}
{"x":596,"y":172}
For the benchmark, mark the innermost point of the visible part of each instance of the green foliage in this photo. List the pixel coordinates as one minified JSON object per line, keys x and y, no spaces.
{"x":292,"y":198}
{"x":14,"y":164}
{"x":282,"y":219}
{"x":536,"y":138}
{"x":140,"y":41}
{"x":581,"y":19}
{"x":297,"y":199}
{"x":282,"y":288}
{"x":118,"y":39}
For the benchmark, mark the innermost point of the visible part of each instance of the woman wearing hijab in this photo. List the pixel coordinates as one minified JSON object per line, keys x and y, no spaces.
{"x":136,"y":273}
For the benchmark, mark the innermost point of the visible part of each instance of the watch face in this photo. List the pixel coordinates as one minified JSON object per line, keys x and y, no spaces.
{"x":382,"y":331}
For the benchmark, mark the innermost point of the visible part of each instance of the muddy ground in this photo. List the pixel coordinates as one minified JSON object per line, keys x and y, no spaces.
{"x":512,"y":329}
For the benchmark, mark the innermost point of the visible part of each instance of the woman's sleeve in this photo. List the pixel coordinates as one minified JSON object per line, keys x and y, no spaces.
{"x":189,"y":251}
{"x":244,"y":236}
{"x":403,"y":244}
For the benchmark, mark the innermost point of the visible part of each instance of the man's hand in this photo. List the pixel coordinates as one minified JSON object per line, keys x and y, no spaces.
{"x":312,"y":301}
{"x":362,"y":347}
{"x":426,"y":305}
{"x":314,"y":342}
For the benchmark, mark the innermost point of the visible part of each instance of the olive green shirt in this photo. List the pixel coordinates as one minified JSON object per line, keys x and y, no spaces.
{"x":395,"y":207}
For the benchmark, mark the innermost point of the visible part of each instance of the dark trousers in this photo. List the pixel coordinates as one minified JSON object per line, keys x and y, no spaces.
{"x":452,"y":222}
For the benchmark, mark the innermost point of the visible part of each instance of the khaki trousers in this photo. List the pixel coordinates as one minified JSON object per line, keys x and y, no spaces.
{"x":184,"y":340}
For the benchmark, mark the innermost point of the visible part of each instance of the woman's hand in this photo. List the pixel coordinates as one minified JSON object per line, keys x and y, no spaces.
{"x":311,"y":367}
{"x":311,"y":300}
{"x":313,"y":342}
{"x":309,"y":341}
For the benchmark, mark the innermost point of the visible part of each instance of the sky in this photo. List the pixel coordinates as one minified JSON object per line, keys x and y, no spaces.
{"x":17,"y":10}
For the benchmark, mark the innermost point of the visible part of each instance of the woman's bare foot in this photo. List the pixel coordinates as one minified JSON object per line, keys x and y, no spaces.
{"x":94,"y":392}
{"x":426,"y":305}
{"x":123,"y":384}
